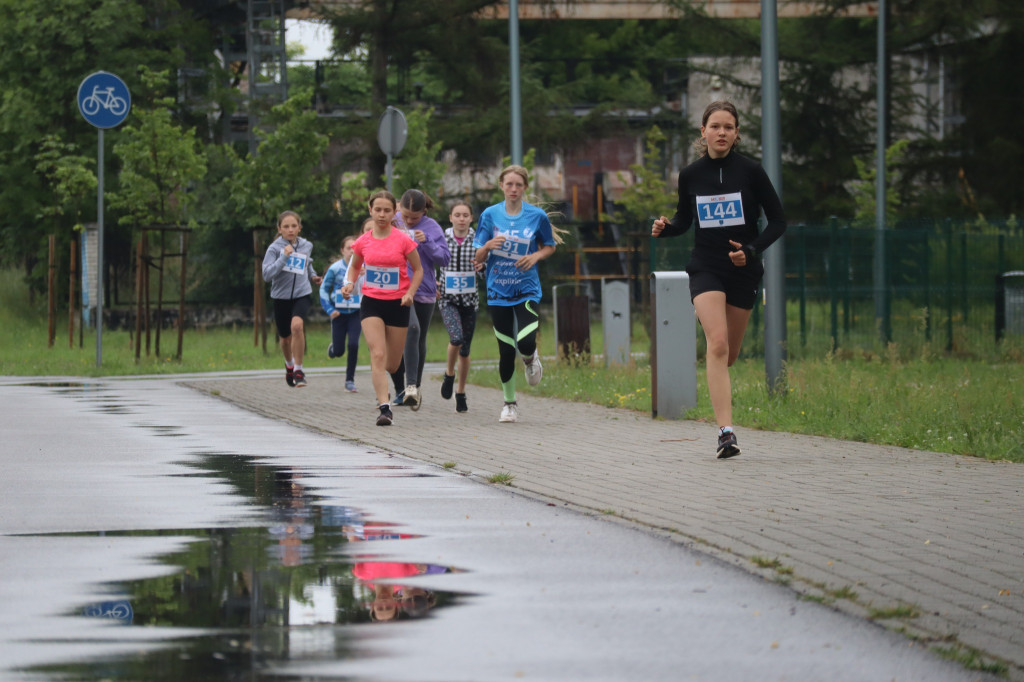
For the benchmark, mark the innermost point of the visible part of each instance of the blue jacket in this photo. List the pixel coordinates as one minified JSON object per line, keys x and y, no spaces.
{"x":333,"y":280}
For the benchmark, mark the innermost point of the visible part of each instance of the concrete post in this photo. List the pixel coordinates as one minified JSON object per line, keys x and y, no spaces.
{"x":673,"y":346}
{"x":615,"y":319}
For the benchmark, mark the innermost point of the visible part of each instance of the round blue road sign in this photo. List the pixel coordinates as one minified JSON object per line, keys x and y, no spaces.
{"x":104,"y":100}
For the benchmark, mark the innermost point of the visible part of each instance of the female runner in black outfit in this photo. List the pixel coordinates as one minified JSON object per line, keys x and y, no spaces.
{"x":725,"y":193}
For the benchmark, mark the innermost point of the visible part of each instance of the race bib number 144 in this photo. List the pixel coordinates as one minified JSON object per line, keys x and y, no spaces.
{"x":722,"y":210}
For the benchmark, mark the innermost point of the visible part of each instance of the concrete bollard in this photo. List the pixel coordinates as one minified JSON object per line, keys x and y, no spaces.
{"x":673,"y":346}
{"x":615,"y":319}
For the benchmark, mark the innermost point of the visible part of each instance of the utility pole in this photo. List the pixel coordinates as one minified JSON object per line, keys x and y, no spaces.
{"x":775,"y":257}
{"x":879,"y":272}
{"x":515,"y":96}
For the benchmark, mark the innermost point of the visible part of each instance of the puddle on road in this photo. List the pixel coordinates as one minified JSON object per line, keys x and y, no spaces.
{"x":281,"y":589}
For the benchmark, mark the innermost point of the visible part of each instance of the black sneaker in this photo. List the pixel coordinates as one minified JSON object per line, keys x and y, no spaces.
{"x":330,"y":350}
{"x":727,"y":445}
{"x":460,"y":403}
{"x":289,"y":376}
{"x":300,"y":378}
{"x":446,"y":386}
{"x":385,"y":418}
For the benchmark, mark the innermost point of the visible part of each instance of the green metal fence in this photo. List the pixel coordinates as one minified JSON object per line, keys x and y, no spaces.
{"x":941,"y":290}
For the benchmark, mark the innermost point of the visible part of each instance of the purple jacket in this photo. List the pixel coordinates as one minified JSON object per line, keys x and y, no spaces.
{"x":434,"y":254}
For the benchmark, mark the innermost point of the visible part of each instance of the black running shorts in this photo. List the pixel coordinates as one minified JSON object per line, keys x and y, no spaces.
{"x":392,"y":311}
{"x":287,"y":308}
{"x":740,"y":289}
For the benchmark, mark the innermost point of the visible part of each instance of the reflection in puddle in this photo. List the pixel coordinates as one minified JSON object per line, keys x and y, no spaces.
{"x":161,"y":430}
{"x":273,"y":592}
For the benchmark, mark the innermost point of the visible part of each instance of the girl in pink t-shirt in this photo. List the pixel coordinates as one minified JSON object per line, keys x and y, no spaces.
{"x":387,"y":293}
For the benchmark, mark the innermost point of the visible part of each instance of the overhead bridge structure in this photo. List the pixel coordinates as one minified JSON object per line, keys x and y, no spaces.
{"x":613,"y":9}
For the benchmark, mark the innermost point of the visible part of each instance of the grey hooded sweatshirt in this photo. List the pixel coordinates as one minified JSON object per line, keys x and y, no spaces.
{"x":288,"y":285}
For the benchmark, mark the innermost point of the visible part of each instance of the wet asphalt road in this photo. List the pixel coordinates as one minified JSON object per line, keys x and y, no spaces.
{"x":530,"y":590}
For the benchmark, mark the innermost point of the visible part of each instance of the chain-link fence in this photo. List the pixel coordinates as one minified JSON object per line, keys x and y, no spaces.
{"x":944,"y":290}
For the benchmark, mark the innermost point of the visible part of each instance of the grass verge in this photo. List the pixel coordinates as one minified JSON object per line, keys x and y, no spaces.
{"x":960,"y":406}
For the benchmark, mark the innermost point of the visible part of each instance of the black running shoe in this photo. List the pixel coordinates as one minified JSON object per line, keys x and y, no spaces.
{"x":300,"y":378}
{"x":727,"y":445}
{"x":446,"y":386}
{"x":289,"y":375}
{"x":385,"y":418}
{"x":460,"y":403}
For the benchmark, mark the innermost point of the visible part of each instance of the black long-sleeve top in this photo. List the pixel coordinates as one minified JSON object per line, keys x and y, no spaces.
{"x":725,"y":197}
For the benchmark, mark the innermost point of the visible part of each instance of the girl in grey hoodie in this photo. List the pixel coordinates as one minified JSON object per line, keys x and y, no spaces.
{"x":288,"y":266}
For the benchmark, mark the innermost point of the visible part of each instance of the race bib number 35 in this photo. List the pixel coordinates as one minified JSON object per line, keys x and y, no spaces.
{"x":296,"y":263}
{"x":721,"y":210}
{"x":459,"y":283}
{"x":382,"y":278}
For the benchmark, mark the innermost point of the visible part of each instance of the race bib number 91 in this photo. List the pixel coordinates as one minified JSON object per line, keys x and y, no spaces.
{"x":721,"y":210}
{"x":513,"y":247}
{"x":382,"y":278}
{"x":296,"y":263}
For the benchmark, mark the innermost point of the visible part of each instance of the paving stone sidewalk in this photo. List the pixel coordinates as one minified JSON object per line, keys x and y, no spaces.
{"x":880,"y":532}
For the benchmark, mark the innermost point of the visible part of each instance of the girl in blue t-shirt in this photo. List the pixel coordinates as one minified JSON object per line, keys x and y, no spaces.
{"x":511,"y":238}
{"x":344,"y":312}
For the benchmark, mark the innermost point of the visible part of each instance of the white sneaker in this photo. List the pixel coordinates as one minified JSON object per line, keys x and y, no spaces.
{"x":509,"y":413}
{"x":534,"y":370}
{"x":412,"y":397}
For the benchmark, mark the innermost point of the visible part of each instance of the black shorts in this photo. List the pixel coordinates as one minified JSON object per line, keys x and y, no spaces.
{"x":740,"y":289}
{"x":391,"y":311}
{"x":287,"y":308}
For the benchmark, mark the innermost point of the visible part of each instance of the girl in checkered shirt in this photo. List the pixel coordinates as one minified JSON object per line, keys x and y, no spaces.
{"x":458,"y":300}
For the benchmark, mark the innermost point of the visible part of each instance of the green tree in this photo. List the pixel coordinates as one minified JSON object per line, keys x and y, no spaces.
{"x":287,"y":172}
{"x":159,"y":162}
{"x":48,"y":49}
{"x":70,"y":180}
{"x":392,"y":33}
{"x":863,"y":189}
{"x":649,"y":194}
{"x":418,"y":165}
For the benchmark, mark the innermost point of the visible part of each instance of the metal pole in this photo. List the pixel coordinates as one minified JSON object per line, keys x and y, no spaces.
{"x":515,"y":96}
{"x":99,"y":254}
{"x":390,"y":172}
{"x":775,"y":257}
{"x":881,"y":307}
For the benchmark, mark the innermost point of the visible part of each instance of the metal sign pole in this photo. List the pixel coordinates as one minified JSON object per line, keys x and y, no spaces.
{"x":99,"y":253}
{"x":104,"y":101}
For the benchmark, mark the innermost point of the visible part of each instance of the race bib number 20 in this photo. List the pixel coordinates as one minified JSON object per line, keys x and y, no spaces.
{"x":721,"y":210}
{"x":382,"y":278}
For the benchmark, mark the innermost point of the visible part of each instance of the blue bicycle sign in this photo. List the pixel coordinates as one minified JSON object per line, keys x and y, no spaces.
{"x":104,"y":100}
{"x":114,"y":610}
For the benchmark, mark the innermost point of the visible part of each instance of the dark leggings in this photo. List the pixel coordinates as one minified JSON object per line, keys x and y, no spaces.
{"x":460,"y":321}
{"x":347,"y":325}
{"x":522,"y":316}
{"x":416,"y":341}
